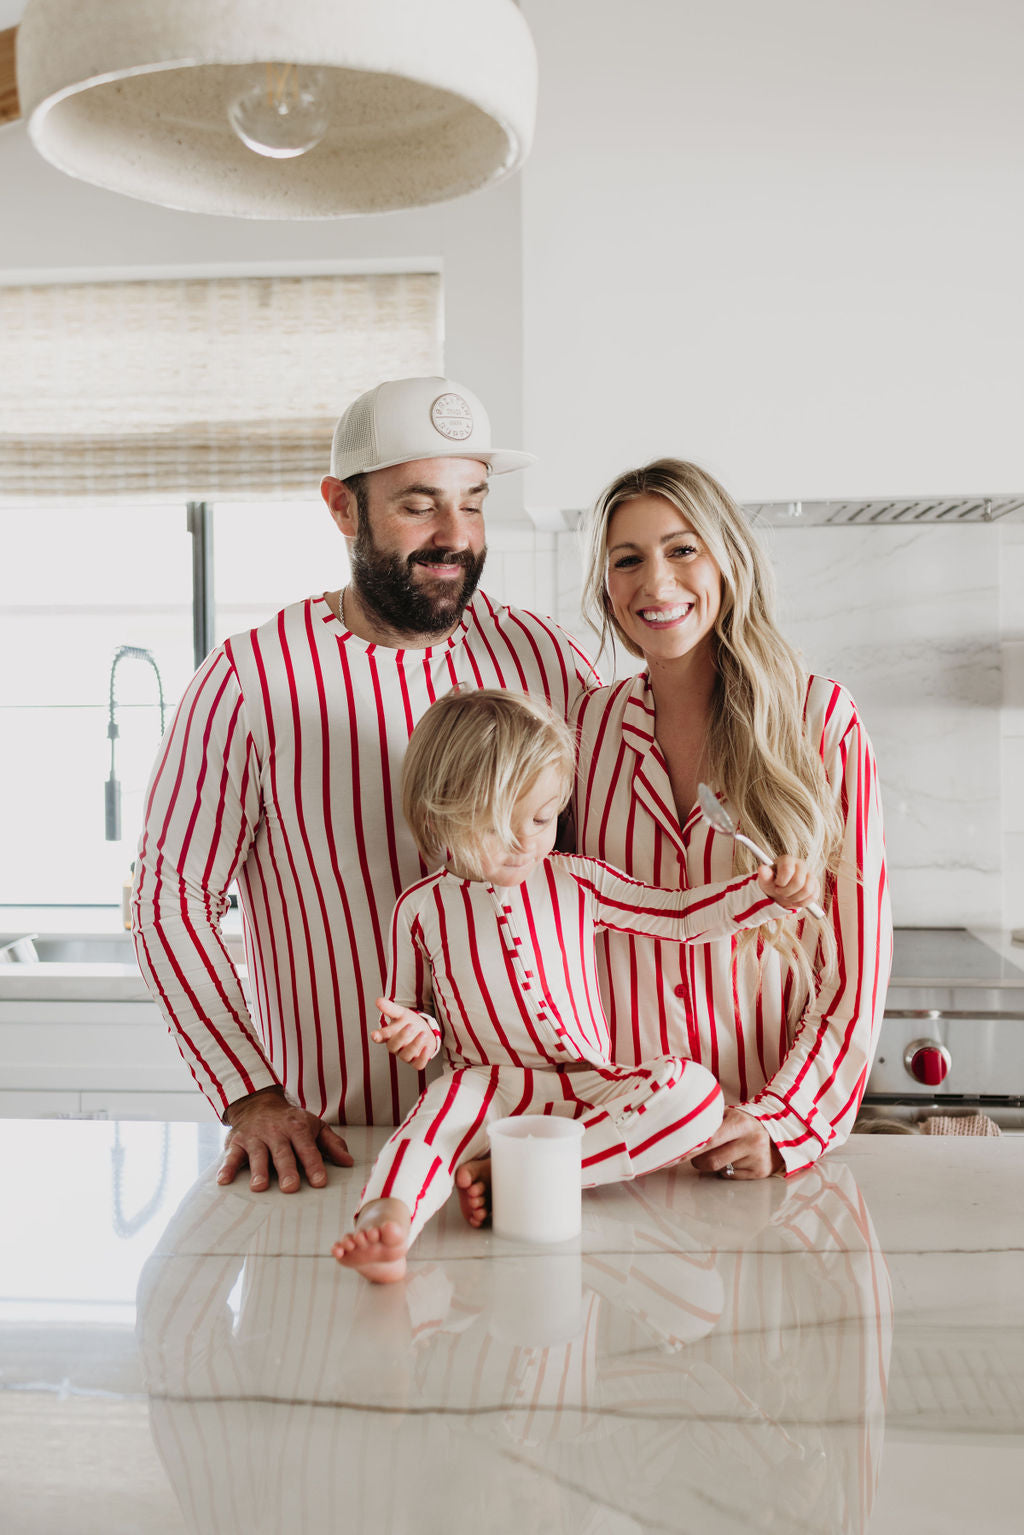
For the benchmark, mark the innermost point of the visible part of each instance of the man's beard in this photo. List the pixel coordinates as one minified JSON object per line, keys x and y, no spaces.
{"x":384,"y":583}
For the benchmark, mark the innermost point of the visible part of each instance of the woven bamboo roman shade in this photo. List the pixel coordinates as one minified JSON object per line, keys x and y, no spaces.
{"x":220,"y":389}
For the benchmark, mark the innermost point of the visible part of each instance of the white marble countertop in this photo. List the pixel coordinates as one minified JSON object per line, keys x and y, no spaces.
{"x":840,"y":1352}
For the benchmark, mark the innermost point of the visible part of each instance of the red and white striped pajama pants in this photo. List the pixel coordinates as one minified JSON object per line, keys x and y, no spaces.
{"x":636,"y":1119}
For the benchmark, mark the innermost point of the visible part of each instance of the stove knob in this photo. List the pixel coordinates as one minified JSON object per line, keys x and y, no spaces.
{"x":927,"y":1061}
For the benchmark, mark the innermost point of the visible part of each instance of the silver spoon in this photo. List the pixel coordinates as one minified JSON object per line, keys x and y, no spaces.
{"x":716,"y":815}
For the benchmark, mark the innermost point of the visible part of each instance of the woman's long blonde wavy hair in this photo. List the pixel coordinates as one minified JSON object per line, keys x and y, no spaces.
{"x":757,"y":752}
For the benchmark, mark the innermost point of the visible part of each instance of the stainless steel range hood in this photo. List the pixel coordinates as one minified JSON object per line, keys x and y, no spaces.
{"x":950,"y":510}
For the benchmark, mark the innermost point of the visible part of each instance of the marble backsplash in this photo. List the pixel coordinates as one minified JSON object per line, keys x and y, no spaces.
{"x":908,"y":620}
{"x":925,"y":627}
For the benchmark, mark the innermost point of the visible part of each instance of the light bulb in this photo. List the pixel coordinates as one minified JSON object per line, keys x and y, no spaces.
{"x":282,"y":115}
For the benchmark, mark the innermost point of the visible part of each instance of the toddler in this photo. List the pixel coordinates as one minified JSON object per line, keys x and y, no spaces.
{"x":492,"y":961}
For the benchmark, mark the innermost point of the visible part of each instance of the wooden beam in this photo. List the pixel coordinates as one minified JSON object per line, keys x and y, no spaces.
{"x":9,"y":108}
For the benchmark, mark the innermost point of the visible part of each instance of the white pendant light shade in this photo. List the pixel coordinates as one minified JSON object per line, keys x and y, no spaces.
{"x":280,"y":108}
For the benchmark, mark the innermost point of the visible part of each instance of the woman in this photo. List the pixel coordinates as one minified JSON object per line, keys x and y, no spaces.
{"x":788,"y":1025}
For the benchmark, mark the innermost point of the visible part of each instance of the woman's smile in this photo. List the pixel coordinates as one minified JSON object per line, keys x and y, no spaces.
{"x":661,"y":618}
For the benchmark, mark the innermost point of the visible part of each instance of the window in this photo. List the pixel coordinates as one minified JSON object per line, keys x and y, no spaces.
{"x":74,"y":587}
{"x":202,"y":389}
{"x":120,"y":403}
{"x":75,"y":584}
{"x":267,"y":554}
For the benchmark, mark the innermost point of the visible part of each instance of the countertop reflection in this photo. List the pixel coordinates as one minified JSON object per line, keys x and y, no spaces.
{"x":711,"y":1357}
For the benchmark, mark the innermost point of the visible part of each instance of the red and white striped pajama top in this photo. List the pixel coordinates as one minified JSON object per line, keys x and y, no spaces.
{"x":281,"y":770}
{"x":506,"y":979}
{"x":798,"y":1063}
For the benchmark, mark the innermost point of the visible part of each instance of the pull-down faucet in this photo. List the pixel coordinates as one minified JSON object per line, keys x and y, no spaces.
{"x":112,"y":786}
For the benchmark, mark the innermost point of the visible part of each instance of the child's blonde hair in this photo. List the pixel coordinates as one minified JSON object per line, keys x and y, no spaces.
{"x":471,"y":757}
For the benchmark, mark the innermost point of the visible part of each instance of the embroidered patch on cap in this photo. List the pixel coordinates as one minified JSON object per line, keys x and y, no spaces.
{"x":452,"y":417}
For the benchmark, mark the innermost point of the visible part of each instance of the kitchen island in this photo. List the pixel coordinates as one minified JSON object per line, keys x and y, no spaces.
{"x":842,"y":1351}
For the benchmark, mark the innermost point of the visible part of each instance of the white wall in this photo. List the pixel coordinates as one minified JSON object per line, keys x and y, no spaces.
{"x":783,"y":239}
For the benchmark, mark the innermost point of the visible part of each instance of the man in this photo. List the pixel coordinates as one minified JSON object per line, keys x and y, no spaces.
{"x":281,"y":771}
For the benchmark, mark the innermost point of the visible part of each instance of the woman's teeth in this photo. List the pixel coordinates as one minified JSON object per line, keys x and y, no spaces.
{"x":665,"y":615}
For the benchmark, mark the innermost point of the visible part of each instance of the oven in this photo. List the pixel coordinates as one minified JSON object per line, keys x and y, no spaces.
{"x":952,"y":1038}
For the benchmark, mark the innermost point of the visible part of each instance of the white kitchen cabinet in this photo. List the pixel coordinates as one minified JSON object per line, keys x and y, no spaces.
{"x":39,"y":1105}
{"x":87,"y":1040}
{"x":178,"y":1108}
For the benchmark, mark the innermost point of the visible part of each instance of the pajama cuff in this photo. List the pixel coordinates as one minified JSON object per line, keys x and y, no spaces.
{"x":796,"y":1142}
{"x":435,"y":1029}
{"x":406,"y":1171}
{"x":605,"y":1153}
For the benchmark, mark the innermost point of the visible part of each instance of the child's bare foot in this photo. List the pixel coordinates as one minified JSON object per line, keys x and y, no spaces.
{"x":473,"y":1186}
{"x":378,"y":1245}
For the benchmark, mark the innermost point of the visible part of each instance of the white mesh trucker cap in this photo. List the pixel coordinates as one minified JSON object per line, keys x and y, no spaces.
{"x":409,"y":418}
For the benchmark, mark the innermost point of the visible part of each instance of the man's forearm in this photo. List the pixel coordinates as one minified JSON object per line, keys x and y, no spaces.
{"x":182,"y":958}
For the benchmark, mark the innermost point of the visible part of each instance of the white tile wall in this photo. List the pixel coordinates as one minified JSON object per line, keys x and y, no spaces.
{"x":521,"y":567}
{"x":107,"y":1059}
{"x":188,"y":1108}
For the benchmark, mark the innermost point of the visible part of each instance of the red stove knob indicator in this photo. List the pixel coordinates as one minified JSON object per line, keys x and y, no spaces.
{"x":927,"y":1061}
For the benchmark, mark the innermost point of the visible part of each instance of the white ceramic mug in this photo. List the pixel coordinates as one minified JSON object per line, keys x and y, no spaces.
{"x":536,"y":1186}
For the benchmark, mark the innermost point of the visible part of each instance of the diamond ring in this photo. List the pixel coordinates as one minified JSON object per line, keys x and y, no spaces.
{"x":728,"y":1171}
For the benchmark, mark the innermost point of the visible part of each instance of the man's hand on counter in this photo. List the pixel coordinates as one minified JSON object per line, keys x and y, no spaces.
{"x":268,"y":1131}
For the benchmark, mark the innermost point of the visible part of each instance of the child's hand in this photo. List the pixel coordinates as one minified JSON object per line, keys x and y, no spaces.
{"x":789,"y":881}
{"x":405,"y":1034}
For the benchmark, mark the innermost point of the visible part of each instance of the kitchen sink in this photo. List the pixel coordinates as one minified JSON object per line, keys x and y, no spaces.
{"x":20,"y":951}
{"x":87,"y":949}
{"x":73,"y":949}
